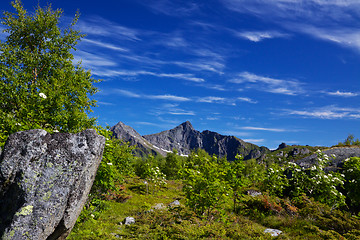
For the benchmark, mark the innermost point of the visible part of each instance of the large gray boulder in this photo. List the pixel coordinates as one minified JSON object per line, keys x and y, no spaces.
{"x":341,"y":153}
{"x":44,"y":182}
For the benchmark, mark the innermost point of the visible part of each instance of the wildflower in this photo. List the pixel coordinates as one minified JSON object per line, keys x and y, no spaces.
{"x":92,"y":215}
{"x":42,"y":95}
{"x":17,"y":124}
{"x":109,"y":163}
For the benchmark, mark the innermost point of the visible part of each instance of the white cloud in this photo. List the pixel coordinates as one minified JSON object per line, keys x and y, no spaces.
{"x":127,"y":93}
{"x":327,"y":112}
{"x":104,"y":45}
{"x":342,"y":94}
{"x":257,"y":36}
{"x":171,"y":7}
{"x":245,"y":99}
{"x":202,"y":65}
{"x":323,"y":19}
{"x":131,"y":94}
{"x":184,"y":76}
{"x":93,"y":61}
{"x":211,"y":99}
{"x":99,"y":26}
{"x":264,"y":129}
{"x":266,"y":84}
{"x":252,"y":140}
{"x":168,"y":97}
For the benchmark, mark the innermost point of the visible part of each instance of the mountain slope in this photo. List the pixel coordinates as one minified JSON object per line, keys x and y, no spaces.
{"x":128,"y":134}
{"x":185,"y":138}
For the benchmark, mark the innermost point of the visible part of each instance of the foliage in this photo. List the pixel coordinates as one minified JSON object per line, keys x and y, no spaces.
{"x":351,"y":170}
{"x":350,"y":141}
{"x":293,"y":181}
{"x":40,"y":85}
{"x":117,"y":162}
{"x":173,"y":163}
{"x":254,"y":172}
{"x":205,"y":184}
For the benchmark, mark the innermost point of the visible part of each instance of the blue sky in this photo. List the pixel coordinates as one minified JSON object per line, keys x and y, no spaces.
{"x":266,"y":71}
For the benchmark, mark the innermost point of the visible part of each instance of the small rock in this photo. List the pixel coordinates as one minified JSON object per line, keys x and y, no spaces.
{"x":174,"y":203}
{"x":159,"y":206}
{"x":273,"y":232}
{"x":129,"y":220}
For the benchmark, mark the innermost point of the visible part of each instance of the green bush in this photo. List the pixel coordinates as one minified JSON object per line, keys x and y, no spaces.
{"x":40,"y":86}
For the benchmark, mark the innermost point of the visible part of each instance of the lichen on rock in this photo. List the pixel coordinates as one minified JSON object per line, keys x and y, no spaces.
{"x":44,"y":182}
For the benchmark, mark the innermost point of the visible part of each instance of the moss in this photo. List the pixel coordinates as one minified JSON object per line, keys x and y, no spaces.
{"x":25,"y":211}
{"x":9,"y":235}
{"x":46,"y":196}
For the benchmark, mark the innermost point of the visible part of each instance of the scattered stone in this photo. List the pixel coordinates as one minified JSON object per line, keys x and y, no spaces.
{"x":129,"y":220}
{"x":253,"y":193}
{"x":159,"y":206}
{"x":44,"y":182}
{"x":299,"y":151}
{"x":273,"y":232}
{"x":174,"y":203}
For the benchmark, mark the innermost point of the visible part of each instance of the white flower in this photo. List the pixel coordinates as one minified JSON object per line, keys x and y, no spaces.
{"x":42,"y":95}
{"x":56,"y":131}
{"x":92,"y":215}
{"x":17,"y":124}
{"x":109,"y":163}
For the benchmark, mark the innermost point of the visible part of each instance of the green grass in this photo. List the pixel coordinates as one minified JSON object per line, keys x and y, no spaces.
{"x":308,"y":221}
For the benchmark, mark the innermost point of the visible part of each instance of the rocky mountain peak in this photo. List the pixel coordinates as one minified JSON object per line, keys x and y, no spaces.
{"x":128,"y":134}
{"x":187,"y":125}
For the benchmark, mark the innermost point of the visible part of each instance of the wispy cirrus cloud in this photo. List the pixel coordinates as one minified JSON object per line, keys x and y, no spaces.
{"x":254,"y":140}
{"x":104,"y":45}
{"x":98,"y":26}
{"x":212,"y":99}
{"x":246,"y":99}
{"x":327,"y":20}
{"x":263,"y":129}
{"x":202,"y":65}
{"x":131,"y":94}
{"x":93,"y":61}
{"x":327,"y":112}
{"x":257,"y":36}
{"x":267,"y":84}
{"x":171,"y":8}
{"x":184,"y":76}
{"x":171,"y":109}
{"x":342,"y":94}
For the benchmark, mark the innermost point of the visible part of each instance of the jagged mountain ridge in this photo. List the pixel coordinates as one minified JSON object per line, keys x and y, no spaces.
{"x":185,"y":138}
{"x":128,"y":134}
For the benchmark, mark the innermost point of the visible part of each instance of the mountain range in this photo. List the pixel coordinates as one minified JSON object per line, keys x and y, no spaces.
{"x":184,"y":138}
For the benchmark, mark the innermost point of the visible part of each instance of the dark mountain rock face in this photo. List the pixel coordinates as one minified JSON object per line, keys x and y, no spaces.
{"x":128,"y":134}
{"x":185,"y":138}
